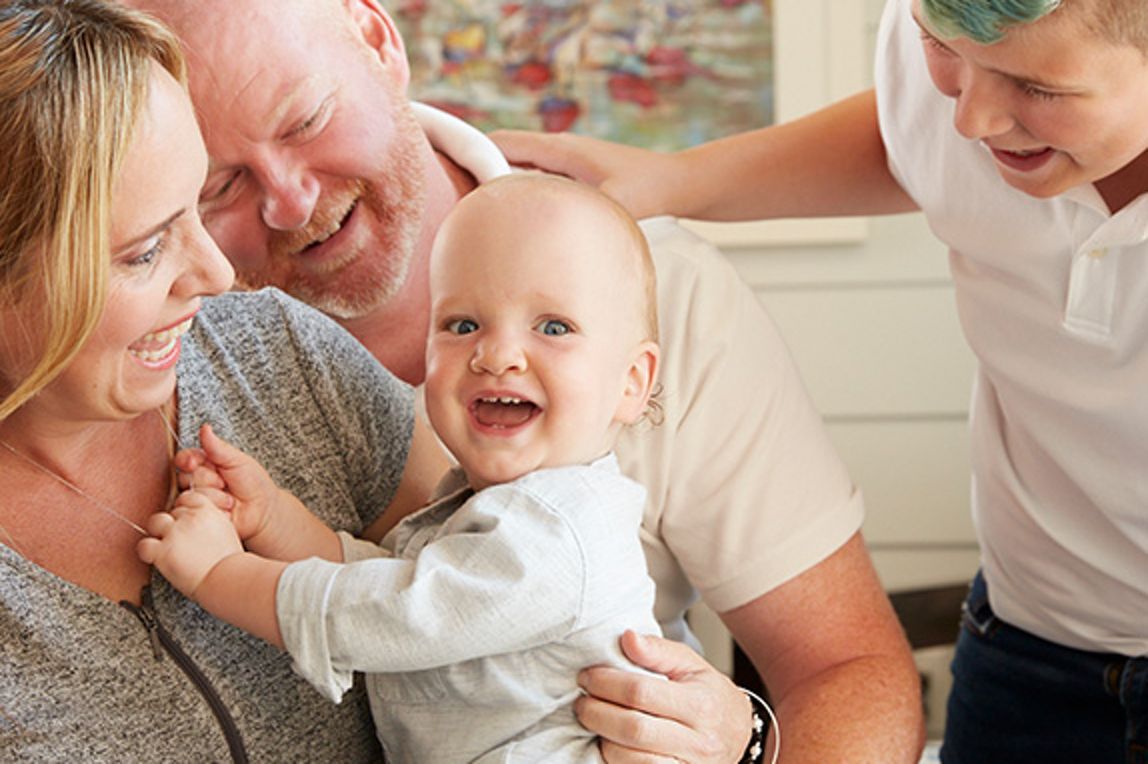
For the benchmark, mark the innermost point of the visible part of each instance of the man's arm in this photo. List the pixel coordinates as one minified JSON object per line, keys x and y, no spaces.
{"x":828,"y":645}
{"x":840,"y":673}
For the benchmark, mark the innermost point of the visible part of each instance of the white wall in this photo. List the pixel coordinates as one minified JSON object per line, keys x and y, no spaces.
{"x":874,"y":331}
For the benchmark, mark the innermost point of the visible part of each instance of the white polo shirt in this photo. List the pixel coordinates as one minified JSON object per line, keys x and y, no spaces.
{"x":1053,"y":298}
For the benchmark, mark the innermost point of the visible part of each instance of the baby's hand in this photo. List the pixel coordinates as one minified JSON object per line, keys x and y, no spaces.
{"x":188,"y":542}
{"x":231,"y":479}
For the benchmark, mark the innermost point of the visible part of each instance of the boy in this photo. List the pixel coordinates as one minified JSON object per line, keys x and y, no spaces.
{"x":475,"y":614}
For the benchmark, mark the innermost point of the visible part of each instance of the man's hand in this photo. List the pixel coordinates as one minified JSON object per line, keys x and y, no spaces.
{"x":699,"y":715}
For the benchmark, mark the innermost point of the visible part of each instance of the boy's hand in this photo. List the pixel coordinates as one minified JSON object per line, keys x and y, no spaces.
{"x":232,"y":479}
{"x":188,"y":542}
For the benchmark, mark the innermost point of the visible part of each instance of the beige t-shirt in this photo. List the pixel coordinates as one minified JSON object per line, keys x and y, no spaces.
{"x":745,"y":490}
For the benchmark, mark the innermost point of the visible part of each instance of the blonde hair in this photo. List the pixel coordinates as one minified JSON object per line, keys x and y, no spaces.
{"x":74,"y":77}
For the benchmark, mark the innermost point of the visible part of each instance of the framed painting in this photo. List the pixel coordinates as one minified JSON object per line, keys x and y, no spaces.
{"x":664,"y":74}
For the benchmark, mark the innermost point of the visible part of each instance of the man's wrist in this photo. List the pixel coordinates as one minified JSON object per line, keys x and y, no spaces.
{"x":761,"y":712}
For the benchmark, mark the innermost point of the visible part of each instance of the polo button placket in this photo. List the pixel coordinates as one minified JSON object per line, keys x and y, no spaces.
{"x":1092,"y":294}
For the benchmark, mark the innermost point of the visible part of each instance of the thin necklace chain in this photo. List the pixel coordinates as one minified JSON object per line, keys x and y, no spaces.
{"x":103,"y":507}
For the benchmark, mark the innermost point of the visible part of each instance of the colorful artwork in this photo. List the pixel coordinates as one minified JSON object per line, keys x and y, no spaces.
{"x":658,"y":73}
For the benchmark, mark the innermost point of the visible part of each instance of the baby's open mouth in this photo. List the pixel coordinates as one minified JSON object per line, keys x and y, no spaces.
{"x":503,"y":411}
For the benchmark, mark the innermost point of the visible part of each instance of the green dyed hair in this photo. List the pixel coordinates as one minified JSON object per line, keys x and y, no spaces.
{"x":1120,"y":22}
{"x":983,"y":21}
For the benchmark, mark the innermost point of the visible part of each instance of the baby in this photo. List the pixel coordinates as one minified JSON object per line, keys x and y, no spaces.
{"x":474,"y":615}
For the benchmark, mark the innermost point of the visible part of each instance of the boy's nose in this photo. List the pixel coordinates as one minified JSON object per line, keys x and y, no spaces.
{"x":981,"y":112}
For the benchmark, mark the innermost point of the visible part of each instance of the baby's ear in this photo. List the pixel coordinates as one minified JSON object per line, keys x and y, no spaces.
{"x":640,"y":380}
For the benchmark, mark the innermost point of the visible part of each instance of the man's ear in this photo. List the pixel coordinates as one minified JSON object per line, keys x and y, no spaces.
{"x":640,"y":379}
{"x":378,"y":31}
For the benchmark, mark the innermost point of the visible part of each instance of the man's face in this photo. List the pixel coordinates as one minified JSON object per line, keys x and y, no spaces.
{"x":316,"y":177}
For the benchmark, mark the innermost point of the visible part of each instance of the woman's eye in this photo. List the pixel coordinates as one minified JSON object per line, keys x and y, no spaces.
{"x":552,"y":327}
{"x":462,"y":326}
{"x":149,"y":256}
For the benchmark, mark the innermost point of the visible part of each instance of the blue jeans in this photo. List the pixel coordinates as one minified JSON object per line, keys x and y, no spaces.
{"x":1017,"y":698}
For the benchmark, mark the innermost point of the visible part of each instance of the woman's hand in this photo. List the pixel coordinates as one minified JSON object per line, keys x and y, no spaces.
{"x":699,"y":715}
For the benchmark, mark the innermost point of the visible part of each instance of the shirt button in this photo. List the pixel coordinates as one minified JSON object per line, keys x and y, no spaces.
{"x":1098,"y":253}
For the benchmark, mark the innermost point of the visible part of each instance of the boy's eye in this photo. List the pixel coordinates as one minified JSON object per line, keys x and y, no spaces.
{"x":462,"y":326}
{"x":552,"y":327}
{"x":1035,"y":92}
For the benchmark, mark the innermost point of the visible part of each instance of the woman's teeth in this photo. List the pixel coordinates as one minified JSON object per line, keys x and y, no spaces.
{"x":146,"y":348}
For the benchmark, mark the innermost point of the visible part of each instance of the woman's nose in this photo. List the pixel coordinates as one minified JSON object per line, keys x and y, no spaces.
{"x":208,"y":271}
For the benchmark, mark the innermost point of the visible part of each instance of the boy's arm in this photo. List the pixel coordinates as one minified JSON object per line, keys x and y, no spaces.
{"x":831,"y":162}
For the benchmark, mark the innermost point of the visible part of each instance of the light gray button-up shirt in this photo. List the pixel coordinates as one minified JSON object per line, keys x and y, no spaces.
{"x":475,"y":615}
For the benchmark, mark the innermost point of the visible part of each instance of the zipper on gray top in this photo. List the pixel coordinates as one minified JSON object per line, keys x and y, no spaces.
{"x":163,"y":642}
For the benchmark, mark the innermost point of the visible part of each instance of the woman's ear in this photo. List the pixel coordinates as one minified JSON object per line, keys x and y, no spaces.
{"x":640,"y":379}
{"x":377,"y":29}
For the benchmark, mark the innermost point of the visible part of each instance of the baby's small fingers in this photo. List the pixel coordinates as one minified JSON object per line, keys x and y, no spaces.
{"x":158,"y":525}
{"x":221,"y":499}
{"x":148,"y":550}
{"x":201,"y":477}
{"x":187,"y":459}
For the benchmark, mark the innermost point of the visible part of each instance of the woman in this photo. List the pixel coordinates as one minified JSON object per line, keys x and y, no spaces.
{"x":113,"y":347}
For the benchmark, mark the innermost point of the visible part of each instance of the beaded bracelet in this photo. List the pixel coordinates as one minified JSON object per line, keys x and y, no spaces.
{"x":756,"y":748}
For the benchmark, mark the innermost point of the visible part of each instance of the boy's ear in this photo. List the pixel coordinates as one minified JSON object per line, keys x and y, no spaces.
{"x":640,"y":380}
{"x":378,"y":31}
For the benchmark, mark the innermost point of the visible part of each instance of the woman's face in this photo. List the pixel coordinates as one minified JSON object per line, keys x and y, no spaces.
{"x":162,"y":263}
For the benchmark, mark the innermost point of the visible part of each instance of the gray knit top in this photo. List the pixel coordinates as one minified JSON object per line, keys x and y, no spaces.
{"x":79,"y":677}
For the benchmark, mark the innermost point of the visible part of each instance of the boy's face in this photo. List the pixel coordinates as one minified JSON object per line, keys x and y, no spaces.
{"x":1055,"y":105}
{"x":536,"y":351}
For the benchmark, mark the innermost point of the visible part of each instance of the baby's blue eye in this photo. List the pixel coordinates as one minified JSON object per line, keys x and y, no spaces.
{"x":462,"y":326}
{"x":552,"y":327}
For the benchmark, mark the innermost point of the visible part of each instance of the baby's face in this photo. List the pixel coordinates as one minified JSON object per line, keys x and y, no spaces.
{"x":534,"y":337}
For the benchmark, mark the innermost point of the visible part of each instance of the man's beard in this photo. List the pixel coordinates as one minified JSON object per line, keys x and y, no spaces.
{"x":359,"y":282}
